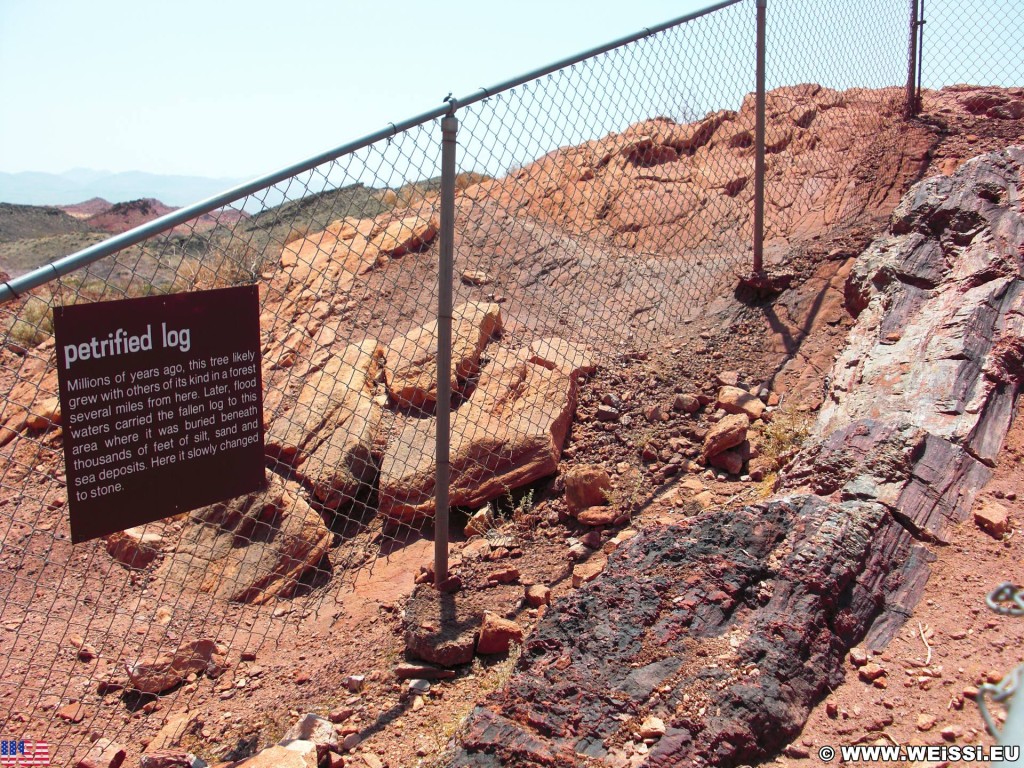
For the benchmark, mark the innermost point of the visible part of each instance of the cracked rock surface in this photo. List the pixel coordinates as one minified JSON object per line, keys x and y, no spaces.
{"x":728,"y":628}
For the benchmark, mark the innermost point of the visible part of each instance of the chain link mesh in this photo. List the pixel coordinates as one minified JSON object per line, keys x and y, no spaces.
{"x":344,"y":256}
{"x":613,"y":211}
{"x":596,"y":209}
{"x":834,"y":75}
{"x":979,"y":43}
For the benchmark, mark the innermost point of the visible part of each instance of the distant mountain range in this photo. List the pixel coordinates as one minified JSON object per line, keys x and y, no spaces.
{"x":33,"y":188}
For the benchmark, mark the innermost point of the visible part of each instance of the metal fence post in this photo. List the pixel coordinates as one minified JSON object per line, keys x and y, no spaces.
{"x":910,"y":109}
{"x":1013,"y":731}
{"x":759,"y":143}
{"x":445,"y":277}
{"x":920,"y":56}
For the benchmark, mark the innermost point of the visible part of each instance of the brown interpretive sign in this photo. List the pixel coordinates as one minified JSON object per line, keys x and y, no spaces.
{"x":161,"y":404}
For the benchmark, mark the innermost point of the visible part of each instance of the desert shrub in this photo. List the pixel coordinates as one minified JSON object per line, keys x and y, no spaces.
{"x":784,"y":434}
{"x":33,"y":324}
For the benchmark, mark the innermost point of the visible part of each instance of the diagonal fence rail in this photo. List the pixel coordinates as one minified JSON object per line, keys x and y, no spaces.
{"x":433,"y":297}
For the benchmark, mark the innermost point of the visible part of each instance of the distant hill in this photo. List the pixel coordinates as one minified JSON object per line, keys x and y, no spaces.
{"x":34,"y":235}
{"x":71,"y":187}
{"x":121,"y":217}
{"x":18,"y":222}
{"x":90,"y":207}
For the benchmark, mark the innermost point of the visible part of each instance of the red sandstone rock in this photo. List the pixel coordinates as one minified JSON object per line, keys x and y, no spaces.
{"x":252,"y":548}
{"x":598,"y":515}
{"x":993,"y":518}
{"x":586,"y":486}
{"x":497,"y":634}
{"x":103,"y":754}
{"x":736,"y":400}
{"x":170,"y":669}
{"x":509,"y":434}
{"x":411,"y":360}
{"x":727,"y":433}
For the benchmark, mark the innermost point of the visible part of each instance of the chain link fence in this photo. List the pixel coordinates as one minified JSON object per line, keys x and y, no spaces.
{"x":95,"y":632}
{"x":834,"y":104}
{"x":975,"y":43}
{"x":595,"y":205}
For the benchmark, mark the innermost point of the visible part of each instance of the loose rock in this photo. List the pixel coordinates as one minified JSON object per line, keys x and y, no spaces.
{"x":598,"y":516}
{"x":104,"y":754}
{"x":686,"y":404}
{"x":170,"y":669}
{"x":871,"y":672}
{"x":504,"y":576}
{"x":727,"y":433}
{"x":497,"y":634}
{"x":315,"y":729}
{"x":586,"y":486}
{"x":355,"y":683}
{"x":73,"y":712}
{"x":993,"y":518}
{"x":419,"y":686}
{"x":730,"y":461}
{"x":652,"y":728}
{"x":423,"y":671}
{"x":736,"y":400}
{"x":538,"y":595}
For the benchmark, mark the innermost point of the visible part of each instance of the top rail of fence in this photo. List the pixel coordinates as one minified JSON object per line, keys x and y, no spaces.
{"x":17,"y":287}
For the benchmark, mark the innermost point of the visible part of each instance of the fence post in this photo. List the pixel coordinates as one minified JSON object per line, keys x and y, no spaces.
{"x":910,"y":108}
{"x":920,"y":55}
{"x":445,"y":277}
{"x":759,"y":144}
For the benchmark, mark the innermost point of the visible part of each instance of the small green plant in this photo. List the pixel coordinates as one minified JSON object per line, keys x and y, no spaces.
{"x":645,"y":437}
{"x":524,"y":507}
{"x":508,"y":507}
{"x":630,"y":493}
{"x":489,"y":676}
{"x":784,"y":434}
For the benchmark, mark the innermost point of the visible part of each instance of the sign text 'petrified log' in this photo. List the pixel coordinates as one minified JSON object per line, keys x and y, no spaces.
{"x":161,"y":403}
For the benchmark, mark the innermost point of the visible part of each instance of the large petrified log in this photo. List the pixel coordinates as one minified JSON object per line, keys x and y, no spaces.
{"x":727,"y":628}
{"x":730,"y":626}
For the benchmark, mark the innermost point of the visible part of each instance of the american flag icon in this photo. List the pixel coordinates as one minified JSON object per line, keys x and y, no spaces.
{"x":19,"y":752}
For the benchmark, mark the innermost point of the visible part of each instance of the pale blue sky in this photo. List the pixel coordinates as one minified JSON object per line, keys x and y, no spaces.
{"x":239,"y":88}
{"x":229,"y":88}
